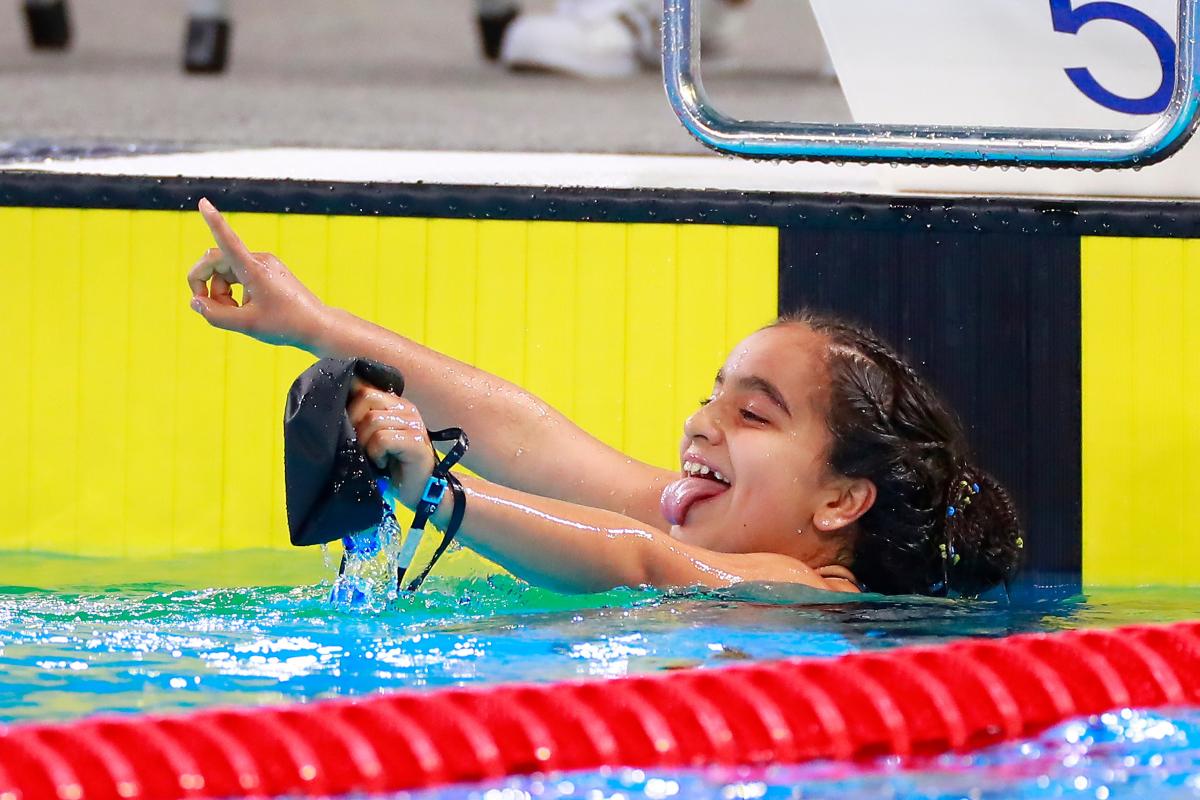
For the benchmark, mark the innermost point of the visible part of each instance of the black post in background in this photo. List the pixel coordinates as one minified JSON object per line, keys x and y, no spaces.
{"x":992,"y":320}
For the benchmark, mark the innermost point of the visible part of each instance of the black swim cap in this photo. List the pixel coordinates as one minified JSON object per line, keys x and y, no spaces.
{"x":330,"y":485}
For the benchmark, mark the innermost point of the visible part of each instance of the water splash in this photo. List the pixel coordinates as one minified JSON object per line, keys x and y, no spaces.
{"x":367,"y":577}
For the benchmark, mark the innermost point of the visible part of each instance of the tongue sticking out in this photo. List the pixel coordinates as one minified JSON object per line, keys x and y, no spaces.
{"x":679,"y":496}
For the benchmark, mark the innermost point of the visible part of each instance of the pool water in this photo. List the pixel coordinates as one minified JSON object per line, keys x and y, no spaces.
{"x":86,"y":636}
{"x":1132,"y":754}
{"x":257,"y":627}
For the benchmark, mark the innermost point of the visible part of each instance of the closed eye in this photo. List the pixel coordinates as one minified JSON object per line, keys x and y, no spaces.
{"x":750,"y":416}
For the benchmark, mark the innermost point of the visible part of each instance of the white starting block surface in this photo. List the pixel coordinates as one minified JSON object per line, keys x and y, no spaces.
{"x":1011,"y":63}
{"x":1000,"y":63}
{"x":601,"y":171}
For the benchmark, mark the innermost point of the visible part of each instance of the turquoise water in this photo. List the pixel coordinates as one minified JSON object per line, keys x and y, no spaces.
{"x":80,"y":636}
{"x":115,"y":636}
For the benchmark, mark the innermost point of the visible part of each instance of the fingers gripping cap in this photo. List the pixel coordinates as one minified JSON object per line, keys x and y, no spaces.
{"x":330,"y":485}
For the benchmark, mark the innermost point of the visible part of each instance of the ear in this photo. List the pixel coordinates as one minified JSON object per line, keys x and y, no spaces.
{"x":848,"y":501}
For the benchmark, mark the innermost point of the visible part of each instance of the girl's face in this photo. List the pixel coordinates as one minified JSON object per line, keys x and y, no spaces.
{"x":754,"y":456}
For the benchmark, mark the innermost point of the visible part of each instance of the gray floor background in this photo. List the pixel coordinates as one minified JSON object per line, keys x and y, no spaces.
{"x":379,"y":74}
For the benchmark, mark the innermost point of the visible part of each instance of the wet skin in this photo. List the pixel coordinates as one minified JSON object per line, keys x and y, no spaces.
{"x":763,"y":428}
{"x":574,"y":514}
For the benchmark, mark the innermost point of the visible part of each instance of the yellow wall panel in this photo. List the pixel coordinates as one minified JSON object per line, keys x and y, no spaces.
{"x":160,"y":394}
{"x":304,"y":247}
{"x":197,"y":511}
{"x":140,"y":430}
{"x":1189,"y":477}
{"x":500,"y":330}
{"x":1140,"y":304}
{"x":550,"y":279}
{"x":652,"y":426}
{"x":198,"y":507}
{"x":1106,"y":281}
{"x":252,"y":411}
{"x":450,"y":288}
{"x":751,"y":289}
{"x":16,"y":331}
{"x":700,"y":322}
{"x":354,"y":243}
{"x":104,"y":376}
{"x":600,"y":342}
{"x":56,"y":463}
{"x":1157,"y":430}
{"x":402,"y":280}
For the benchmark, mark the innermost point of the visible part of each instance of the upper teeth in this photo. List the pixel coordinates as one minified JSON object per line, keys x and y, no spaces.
{"x":692,"y":468}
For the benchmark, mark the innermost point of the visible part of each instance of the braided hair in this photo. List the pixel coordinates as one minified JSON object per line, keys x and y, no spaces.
{"x":938,"y":523}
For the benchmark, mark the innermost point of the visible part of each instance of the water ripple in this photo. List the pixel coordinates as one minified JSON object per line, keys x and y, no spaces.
{"x":113,"y":646}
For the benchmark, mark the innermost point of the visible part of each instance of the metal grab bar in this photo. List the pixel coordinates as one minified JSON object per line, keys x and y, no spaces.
{"x":931,"y":144}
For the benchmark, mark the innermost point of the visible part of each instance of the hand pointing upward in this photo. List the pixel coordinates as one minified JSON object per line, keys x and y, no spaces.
{"x":276,"y":307}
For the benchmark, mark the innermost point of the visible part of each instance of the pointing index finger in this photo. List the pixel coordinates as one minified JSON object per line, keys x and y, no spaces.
{"x":237,"y":253}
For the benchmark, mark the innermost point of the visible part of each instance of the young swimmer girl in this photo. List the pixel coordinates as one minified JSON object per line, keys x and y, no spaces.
{"x":820,"y":457}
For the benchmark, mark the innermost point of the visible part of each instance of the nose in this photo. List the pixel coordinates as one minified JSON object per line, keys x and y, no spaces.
{"x":705,"y":423}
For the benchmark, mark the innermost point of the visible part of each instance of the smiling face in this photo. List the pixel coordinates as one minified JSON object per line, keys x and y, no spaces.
{"x":754,"y":457}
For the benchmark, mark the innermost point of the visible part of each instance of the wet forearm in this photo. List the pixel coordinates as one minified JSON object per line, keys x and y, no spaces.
{"x":551,"y":543}
{"x":504,"y":421}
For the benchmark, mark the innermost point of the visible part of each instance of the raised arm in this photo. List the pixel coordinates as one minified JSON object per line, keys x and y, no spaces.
{"x":552,"y":543}
{"x":517,"y":440}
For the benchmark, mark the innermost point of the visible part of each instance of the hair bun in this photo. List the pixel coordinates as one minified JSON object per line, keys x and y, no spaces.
{"x":983,"y":532}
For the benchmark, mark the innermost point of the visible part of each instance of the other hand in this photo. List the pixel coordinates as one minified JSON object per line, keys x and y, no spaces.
{"x":276,"y":307}
{"x":392,"y":432}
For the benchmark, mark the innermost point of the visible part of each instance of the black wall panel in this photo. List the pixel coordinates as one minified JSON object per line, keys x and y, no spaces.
{"x":992,"y":320}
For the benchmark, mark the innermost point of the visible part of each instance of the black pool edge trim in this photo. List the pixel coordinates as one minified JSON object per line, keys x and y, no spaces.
{"x":1033,"y":216}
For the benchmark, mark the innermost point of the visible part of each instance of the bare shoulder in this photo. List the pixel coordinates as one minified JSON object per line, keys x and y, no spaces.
{"x":711,"y":568}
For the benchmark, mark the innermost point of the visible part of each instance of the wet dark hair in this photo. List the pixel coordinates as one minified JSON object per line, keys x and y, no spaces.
{"x":938,"y":523}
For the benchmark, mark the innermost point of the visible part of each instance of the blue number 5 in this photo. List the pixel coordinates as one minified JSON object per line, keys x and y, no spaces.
{"x":1070,"y":20}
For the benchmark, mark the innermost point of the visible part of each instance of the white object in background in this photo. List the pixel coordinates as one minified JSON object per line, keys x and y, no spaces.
{"x":584,"y":38}
{"x":995,"y":62}
{"x":1004,"y":63}
{"x":208,"y":9}
{"x":607,"y":38}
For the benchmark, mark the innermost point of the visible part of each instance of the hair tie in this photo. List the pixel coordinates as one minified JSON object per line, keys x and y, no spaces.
{"x":962,"y":491}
